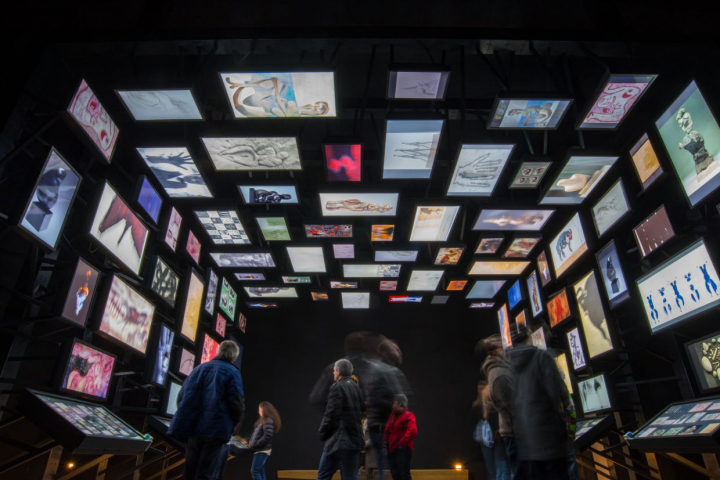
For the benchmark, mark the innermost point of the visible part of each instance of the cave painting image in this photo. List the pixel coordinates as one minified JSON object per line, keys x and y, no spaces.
{"x":268,"y":95}
{"x":92,"y":117}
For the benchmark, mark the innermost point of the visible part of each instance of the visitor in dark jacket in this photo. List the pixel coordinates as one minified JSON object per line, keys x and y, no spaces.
{"x":341,"y":426}
{"x":539,"y":422}
{"x":260,"y":442}
{"x":354,"y":351}
{"x":400,"y":433}
{"x":209,"y":405}
{"x":496,"y":368}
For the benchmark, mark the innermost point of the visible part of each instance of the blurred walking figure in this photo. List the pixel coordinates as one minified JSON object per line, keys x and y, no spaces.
{"x":400,"y":433}
{"x":354,"y":351}
{"x":539,"y":418}
{"x":488,"y":436}
{"x":266,"y":426}
{"x":341,"y":427}
{"x":384,"y":384}
{"x":489,"y":351}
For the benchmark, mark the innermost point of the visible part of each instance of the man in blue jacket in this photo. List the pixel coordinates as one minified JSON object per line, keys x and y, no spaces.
{"x":210,"y":404}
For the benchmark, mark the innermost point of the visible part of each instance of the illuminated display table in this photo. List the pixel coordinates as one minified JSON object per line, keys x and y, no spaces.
{"x":684,"y":427}
{"x":592,"y":430}
{"x":80,"y":426}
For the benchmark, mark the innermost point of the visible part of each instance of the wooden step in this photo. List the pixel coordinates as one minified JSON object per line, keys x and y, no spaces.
{"x":416,"y":475}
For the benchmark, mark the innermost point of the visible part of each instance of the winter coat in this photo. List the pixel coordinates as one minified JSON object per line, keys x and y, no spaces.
{"x":341,"y":426}
{"x":210,"y":403}
{"x":538,"y":418}
{"x":400,"y":430}
{"x":502,"y":384}
{"x":261,"y":438}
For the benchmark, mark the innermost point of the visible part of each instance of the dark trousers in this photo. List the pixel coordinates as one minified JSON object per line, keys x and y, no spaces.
{"x":496,"y":462}
{"x":258,"y":466}
{"x":203,"y":458}
{"x":543,"y":470}
{"x":399,"y":462}
{"x":348,"y":461}
{"x":376,"y":439}
{"x":511,"y":455}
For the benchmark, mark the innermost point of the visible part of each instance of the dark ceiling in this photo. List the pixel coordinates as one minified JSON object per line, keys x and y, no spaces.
{"x":480,"y":69}
{"x":489,"y":46}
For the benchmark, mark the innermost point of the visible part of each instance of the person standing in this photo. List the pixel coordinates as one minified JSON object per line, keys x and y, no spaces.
{"x":489,"y":351}
{"x":210,"y":404}
{"x":260,"y":442}
{"x":539,"y":420}
{"x":341,"y":426}
{"x":496,"y":462}
{"x":400,"y":433}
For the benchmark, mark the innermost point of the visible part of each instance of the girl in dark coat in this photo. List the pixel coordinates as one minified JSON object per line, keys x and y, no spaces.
{"x":261,"y":440}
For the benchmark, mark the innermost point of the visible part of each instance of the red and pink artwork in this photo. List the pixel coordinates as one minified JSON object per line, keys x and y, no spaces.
{"x":193,"y":247}
{"x":614,"y":103}
{"x":92,"y":117}
{"x":210,"y":349}
{"x":220,"y":325}
{"x":344,"y":162}
{"x":88,"y":371}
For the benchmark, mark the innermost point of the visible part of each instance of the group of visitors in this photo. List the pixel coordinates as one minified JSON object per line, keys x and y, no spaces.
{"x":366,"y":397}
{"x":211,"y":405}
{"x":526,"y":415}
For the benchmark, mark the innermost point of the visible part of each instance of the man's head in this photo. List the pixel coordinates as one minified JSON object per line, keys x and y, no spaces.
{"x":390,"y":351}
{"x":228,"y":351}
{"x":355,"y":343}
{"x":490,"y":346}
{"x":343,"y":368}
{"x":401,"y":401}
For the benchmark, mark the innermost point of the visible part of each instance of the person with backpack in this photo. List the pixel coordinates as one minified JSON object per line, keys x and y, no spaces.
{"x":487,"y":435}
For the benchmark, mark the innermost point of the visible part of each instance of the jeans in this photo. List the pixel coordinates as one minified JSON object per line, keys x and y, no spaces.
{"x":543,"y":470}
{"x":203,"y":458}
{"x":348,"y":461}
{"x":572,"y":468}
{"x":376,"y":439}
{"x":511,"y":455}
{"x":258,"y":466}
{"x":399,"y":462}
{"x":220,"y":470}
{"x":496,"y":462}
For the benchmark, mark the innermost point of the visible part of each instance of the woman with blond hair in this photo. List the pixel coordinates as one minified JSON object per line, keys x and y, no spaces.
{"x":261,"y":440}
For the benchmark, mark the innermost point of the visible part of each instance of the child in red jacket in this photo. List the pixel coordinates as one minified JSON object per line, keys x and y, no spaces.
{"x":400,"y":431}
